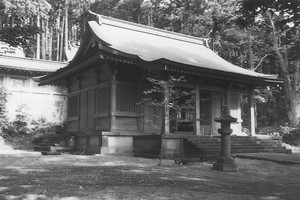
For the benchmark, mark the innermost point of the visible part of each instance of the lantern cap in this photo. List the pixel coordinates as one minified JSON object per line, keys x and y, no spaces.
{"x":225,"y":117}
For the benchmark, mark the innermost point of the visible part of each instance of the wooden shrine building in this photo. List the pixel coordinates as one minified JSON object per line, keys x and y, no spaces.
{"x":108,"y":75}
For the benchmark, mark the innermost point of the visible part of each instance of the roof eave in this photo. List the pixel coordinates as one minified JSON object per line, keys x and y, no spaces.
{"x":67,"y":71}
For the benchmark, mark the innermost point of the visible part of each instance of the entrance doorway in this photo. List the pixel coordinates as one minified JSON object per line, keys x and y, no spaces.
{"x":182,"y":117}
{"x":182,"y":113}
{"x":205,"y":113}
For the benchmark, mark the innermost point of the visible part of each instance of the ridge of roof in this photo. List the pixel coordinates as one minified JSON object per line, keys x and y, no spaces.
{"x":150,"y":30}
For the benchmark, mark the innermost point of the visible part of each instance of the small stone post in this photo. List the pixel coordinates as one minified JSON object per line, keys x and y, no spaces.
{"x":225,"y":162}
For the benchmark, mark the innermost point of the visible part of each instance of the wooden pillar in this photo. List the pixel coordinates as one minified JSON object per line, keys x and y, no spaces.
{"x":197,"y":111}
{"x":251,"y":111}
{"x":166,"y":109}
{"x":113,"y":99}
{"x":227,"y":98}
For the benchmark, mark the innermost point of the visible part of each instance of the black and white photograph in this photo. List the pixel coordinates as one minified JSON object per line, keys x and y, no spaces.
{"x":149,"y":99}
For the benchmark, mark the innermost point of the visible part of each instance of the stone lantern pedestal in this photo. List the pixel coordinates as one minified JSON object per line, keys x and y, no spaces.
{"x":225,"y":162}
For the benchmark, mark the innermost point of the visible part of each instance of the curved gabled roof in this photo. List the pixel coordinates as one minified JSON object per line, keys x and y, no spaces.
{"x":148,"y":45}
{"x":153,"y":45}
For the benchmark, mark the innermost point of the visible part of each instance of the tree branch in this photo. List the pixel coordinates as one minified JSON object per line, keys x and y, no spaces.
{"x":261,"y":61}
{"x":296,"y":76}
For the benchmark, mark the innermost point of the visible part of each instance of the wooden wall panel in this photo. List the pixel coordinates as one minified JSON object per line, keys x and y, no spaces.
{"x":102,"y":124}
{"x":73,"y":84}
{"x":81,"y":141}
{"x":103,"y":100}
{"x":73,"y":126}
{"x":127,"y":123}
{"x":88,"y":78}
{"x":90,"y":110}
{"x":73,"y":106}
{"x":95,"y":141}
{"x":83,"y":111}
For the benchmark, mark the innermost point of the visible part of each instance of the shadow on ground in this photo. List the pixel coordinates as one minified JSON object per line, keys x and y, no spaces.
{"x":72,"y":177}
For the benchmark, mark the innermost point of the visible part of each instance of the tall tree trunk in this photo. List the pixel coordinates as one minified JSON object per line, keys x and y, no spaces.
{"x":1,"y":20}
{"x":47,"y":34}
{"x":291,"y":97}
{"x":12,"y":21}
{"x":185,"y":17}
{"x":57,"y":36}
{"x":38,"y":39}
{"x":7,"y":21}
{"x":250,"y":55}
{"x":50,"y":42}
{"x":66,"y":27}
{"x":43,"y":41}
{"x":151,"y":16}
{"x":61,"y":40}
{"x":294,"y":97}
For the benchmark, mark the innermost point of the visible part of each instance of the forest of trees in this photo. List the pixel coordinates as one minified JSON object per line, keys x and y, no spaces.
{"x":262,"y":36}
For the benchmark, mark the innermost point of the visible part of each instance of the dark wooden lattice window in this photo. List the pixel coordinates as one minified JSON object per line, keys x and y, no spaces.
{"x":126,"y":98}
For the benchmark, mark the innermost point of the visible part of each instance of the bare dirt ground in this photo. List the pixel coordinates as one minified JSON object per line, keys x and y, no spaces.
{"x":31,"y":176}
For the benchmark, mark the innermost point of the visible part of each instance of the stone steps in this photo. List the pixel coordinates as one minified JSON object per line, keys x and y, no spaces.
{"x":53,"y":144}
{"x":207,"y":155}
{"x":238,"y":150}
{"x":52,"y":148}
{"x":210,"y":147}
{"x":49,"y":144}
{"x":235,"y":145}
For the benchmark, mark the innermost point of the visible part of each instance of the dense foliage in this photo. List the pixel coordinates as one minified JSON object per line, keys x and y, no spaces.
{"x":278,"y":21}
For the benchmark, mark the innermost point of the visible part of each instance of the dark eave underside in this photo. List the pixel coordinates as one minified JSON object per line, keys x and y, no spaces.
{"x":7,"y":70}
{"x":158,"y":65}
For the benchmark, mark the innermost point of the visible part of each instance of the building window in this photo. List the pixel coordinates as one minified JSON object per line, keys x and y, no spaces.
{"x":73,"y":106}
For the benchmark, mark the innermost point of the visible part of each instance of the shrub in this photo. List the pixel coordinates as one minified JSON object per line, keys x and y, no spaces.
{"x":293,"y":138}
{"x":3,"y":116}
{"x":41,"y":127}
{"x":275,"y":130}
{"x":290,"y":135}
{"x":19,"y":125}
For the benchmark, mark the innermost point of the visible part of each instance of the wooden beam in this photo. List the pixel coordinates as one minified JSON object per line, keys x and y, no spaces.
{"x":251,"y":111}
{"x":113,"y":99}
{"x":197,"y":111}
{"x":166,"y":110}
{"x":227,"y":98}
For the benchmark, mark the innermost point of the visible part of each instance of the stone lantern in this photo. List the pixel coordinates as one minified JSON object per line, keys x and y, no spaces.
{"x":225,"y":162}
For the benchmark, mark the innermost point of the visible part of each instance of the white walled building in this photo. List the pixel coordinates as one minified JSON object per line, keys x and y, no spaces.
{"x":17,"y":79}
